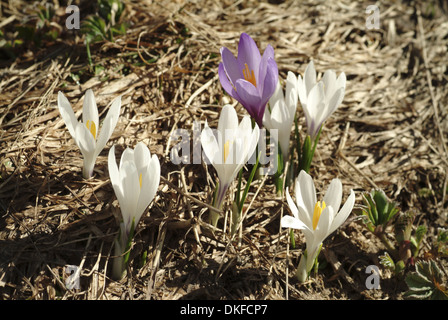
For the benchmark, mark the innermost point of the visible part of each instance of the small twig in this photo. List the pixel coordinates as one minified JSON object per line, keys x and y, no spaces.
{"x":202,"y":88}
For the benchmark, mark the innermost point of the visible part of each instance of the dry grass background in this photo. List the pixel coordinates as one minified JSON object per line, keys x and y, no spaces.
{"x":390,"y":132}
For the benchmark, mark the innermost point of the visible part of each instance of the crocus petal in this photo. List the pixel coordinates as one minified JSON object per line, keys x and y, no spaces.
{"x":209,"y":143}
{"x":225,"y":82}
{"x":310,"y":77}
{"x":329,"y":80}
{"x":319,"y":236}
{"x":250,"y":98}
{"x":84,"y":140}
{"x":305,"y":192}
{"x":90,"y":111}
{"x":291,"y":222}
{"x":248,"y":53}
{"x":109,"y":124}
{"x":291,"y":204}
{"x":291,"y":96}
{"x":114,"y":175}
{"x":131,"y":187}
{"x":343,"y":214}
{"x":267,"y":61}
{"x":269,"y":85}
{"x":67,"y":113}
{"x":333,"y":196}
{"x":142,"y":156}
{"x":230,"y":65}
{"x":334,"y":101}
{"x":150,"y":182}
{"x":126,"y":156}
{"x":227,"y":123}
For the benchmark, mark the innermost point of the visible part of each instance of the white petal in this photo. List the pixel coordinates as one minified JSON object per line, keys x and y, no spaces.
{"x":131,"y":190}
{"x":343,"y":214}
{"x":329,"y":80}
{"x":291,"y":222}
{"x":67,"y":113}
{"x":324,"y":224}
{"x":310,"y":77}
{"x":150,"y":184}
{"x":228,"y":119}
{"x":142,"y":156}
{"x":84,"y":140}
{"x":90,"y":110}
{"x":305,"y":192}
{"x":114,"y":175}
{"x":291,"y":204}
{"x":209,"y":143}
{"x":109,"y":124}
{"x":333,"y":196}
{"x":341,"y":82}
{"x":301,"y":91}
{"x":127,"y":155}
{"x":319,"y":235}
{"x":277,"y":95}
{"x":291,"y":95}
{"x":315,"y":99}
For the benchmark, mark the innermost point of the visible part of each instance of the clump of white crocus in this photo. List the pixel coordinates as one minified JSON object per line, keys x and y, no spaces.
{"x":319,"y":99}
{"x":281,"y":112}
{"x":317,"y":219}
{"x":229,"y":150}
{"x":85,"y":132}
{"x":135,"y":182}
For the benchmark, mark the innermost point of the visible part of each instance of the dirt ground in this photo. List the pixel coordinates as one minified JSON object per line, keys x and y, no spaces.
{"x":390,"y":132}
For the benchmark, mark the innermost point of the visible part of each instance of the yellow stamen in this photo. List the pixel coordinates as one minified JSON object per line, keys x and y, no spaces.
{"x":249,"y":75}
{"x":140,"y":180}
{"x":317,"y":212}
{"x":92,"y":128}
{"x":226,"y":150}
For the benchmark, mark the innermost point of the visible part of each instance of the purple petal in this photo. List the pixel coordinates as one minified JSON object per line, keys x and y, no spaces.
{"x":248,"y":53}
{"x":250,"y":99}
{"x":270,"y":81}
{"x":268,"y":54}
{"x":225,"y":82}
{"x":231,"y":66}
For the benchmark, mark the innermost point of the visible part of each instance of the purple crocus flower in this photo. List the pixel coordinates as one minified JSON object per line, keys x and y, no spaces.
{"x":250,"y":78}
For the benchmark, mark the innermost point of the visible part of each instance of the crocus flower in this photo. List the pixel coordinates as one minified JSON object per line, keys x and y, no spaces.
{"x":317,"y":219}
{"x":319,"y":99}
{"x":85,"y":133}
{"x":230,"y":149}
{"x":282,"y":113}
{"x":250,"y":78}
{"x":135,"y":181}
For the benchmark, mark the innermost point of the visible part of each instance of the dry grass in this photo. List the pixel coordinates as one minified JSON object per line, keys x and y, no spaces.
{"x":390,"y":132}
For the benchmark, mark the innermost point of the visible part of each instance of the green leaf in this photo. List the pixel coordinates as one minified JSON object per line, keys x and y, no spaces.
{"x":426,"y":282}
{"x":387,"y":261}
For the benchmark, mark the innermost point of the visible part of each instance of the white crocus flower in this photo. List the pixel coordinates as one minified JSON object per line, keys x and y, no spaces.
{"x":317,"y":219}
{"x":135,"y":182}
{"x":230,"y":149}
{"x":282,"y":112}
{"x":319,"y":99}
{"x":85,"y":133}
